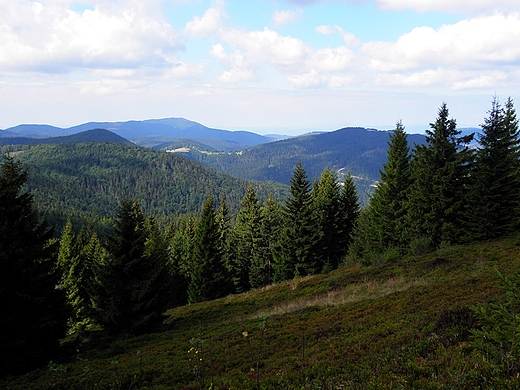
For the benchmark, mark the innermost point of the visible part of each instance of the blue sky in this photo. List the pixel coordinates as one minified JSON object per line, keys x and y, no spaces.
{"x":269,"y":66}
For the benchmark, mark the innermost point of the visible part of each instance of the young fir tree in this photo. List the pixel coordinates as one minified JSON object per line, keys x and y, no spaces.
{"x":225,"y":234}
{"x":261,"y":273}
{"x":349,"y":212}
{"x":181,"y":251}
{"x":34,"y":312}
{"x":246,"y":238}
{"x":298,"y":237}
{"x":440,"y":174}
{"x":135,"y":283}
{"x":208,"y":274}
{"x":327,"y":201}
{"x":78,"y":257}
{"x":388,"y":206}
{"x":496,"y":181}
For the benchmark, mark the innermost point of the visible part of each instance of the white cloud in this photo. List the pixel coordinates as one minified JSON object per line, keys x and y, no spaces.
{"x":268,"y":46}
{"x":464,"y":6}
{"x":209,"y":23}
{"x":340,"y":81}
{"x":283,"y":17}
{"x":325,"y":30}
{"x":492,"y":80}
{"x":333,"y":59}
{"x":182,"y":70}
{"x":236,"y":75}
{"x":309,"y":80}
{"x":416,"y":79}
{"x":479,"y":43}
{"x":48,"y":37}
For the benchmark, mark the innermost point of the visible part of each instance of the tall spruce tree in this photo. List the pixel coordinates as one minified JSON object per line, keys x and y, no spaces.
{"x":350,"y":210}
{"x":34,"y":312}
{"x":494,"y":209}
{"x":298,"y":237}
{"x":246,"y":240}
{"x":208,"y":275}
{"x":261,"y":273}
{"x":79,"y":256}
{"x":327,"y":207}
{"x":389,"y":204}
{"x":181,"y":252}
{"x":134,"y":283}
{"x":440,"y":174}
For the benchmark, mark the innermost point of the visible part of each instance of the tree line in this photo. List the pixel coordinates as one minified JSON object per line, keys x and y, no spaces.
{"x":443,"y":192}
{"x":439,"y":193}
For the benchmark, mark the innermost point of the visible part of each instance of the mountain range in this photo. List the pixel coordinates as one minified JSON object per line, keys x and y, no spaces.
{"x":148,"y":132}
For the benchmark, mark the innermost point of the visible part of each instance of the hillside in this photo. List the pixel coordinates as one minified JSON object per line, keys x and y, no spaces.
{"x":404,"y":324}
{"x":360,"y":151}
{"x":95,"y":135}
{"x":163,"y":130}
{"x":90,"y":179}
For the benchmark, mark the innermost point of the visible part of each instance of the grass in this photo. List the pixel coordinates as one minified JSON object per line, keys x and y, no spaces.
{"x":404,"y":324}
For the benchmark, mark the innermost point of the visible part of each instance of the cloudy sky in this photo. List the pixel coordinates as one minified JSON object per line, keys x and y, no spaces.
{"x":285,"y":66}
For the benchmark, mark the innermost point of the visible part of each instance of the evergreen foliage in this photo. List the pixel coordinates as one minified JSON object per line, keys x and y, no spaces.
{"x":387,"y":211}
{"x":327,"y":207}
{"x":208,"y":275}
{"x":261,"y":273}
{"x":135,"y":283}
{"x":494,"y":210}
{"x":499,"y":334}
{"x":440,"y":174}
{"x":246,"y":238}
{"x":78,"y":258}
{"x":350,"y":210}
{"x":85,"y":182}
{"x":298,"y":236}
{"x":34,"y":313}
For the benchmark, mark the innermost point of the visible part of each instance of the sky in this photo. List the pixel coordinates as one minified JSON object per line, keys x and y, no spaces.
{"x":268,"y":66}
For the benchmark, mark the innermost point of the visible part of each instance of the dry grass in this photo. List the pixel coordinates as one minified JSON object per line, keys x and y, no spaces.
{"x":369,"y":289}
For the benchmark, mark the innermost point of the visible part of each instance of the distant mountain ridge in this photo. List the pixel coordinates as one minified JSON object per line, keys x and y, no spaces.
{"x":171,"y":128}
{"x":95,"y":135}
{"x":357,"y":150}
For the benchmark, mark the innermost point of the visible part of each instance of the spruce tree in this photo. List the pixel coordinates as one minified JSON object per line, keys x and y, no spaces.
{"x":34,"y":312}
{"x":180,"y":256}
{"x":496,"y":181}
{"x":349,"y":211}
{"x":246,"y":237}
{"x":134,"y":283}
{"x":261,"y":273}
{"x":440,"y":175}
{"x":327,"y":201}
{"x":389,"y":203}
{"x":208,"y":274}
{"x":298,"y":237}
{"x":78,"y":257}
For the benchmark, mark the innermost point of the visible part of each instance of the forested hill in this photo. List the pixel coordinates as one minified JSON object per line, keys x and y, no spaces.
{"x":360,"y":151}
{"x":94,"y":135}
{"x":92,"y":178}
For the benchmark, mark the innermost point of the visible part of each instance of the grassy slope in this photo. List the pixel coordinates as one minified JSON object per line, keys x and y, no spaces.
{"x":399,"y":325}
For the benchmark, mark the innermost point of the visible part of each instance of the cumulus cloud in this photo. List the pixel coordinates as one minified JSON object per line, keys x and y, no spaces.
{"x":267,"y":46}
{"x":209,"y":23}
{"x":283,"y":17}
{"x":309,"y":80}
{"x":49,"y":37}
{"x":479,"y":43}
{"x":325,"y":30}
{"x":465,"y":6}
